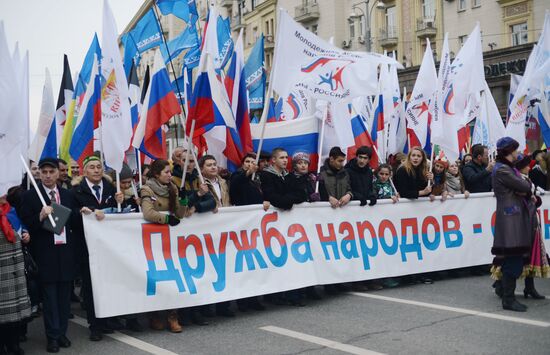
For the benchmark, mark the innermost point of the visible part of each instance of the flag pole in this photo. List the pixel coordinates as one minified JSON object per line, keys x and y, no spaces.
{"x":119,"y":207}
{"x":157,"y":17}
{"x":134,"y":190}
{"x":189,"y":151}
{"x":431,"y":161}
{"x":320,"y":149}
{"x":138,"y":153}
{"x":38,"y":192}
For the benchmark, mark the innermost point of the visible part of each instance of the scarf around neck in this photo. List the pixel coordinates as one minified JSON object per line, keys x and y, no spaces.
{"x":159,"y":189}
{"x":453,"y":182}
{"x":5,"y":224}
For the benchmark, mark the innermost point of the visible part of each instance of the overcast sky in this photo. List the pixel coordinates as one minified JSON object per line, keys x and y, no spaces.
{"x":50,"y":28}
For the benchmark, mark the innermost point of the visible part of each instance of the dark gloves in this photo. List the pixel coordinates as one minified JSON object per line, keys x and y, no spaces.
{"x":315,"y":197}
{"x":371,"y":201}
{"x":538,"y":203}
{"x":172,"y":221}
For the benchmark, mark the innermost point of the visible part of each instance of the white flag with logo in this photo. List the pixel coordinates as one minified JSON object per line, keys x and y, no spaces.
{"x":535,"y":81}
{"x":422,"y":99}
{"x":444,"y":123}
{"x":116,"y":121}
{"x":327,"y":72}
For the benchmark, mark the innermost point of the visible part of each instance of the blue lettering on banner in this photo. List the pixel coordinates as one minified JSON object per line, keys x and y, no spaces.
{"x":247,"y":250}
{"x":414,"y":245}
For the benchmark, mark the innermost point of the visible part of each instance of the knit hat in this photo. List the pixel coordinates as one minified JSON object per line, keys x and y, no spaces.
{"x":300,"y":156}
{"x":522,"y":161}
{"x":443,"y":161}
{"x":89,"y":159}
{"x":125,"y":172}
{"x":506,"y":145}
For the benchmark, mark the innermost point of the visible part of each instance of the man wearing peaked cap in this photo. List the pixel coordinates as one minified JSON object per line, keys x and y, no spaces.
{"x":54,"y":254}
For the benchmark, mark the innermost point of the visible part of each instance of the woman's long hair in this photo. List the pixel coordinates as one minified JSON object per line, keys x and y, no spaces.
{"x":409,"y":168}
{"x":154,"y":172}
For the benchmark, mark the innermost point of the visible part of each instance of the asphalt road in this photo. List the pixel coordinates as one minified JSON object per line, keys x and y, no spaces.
{"x":453,"y":316}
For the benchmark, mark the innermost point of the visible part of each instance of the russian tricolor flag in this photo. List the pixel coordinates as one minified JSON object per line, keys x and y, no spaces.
{"x":82,"y":143}
{"x":295,"y":136}
{"x":362,"y":138}
{"x":215,"y":127}
{"x":160,"y":104}
{"x":235,"y":86}
{"x":378,"y":127}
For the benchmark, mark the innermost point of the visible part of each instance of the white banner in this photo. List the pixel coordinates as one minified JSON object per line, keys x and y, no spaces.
{"x":240,"y":252}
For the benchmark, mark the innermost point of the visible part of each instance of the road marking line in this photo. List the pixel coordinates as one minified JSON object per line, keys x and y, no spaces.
{"x":126,"y":339}
{"x":455,"y":309}
{"x":320,"y":341}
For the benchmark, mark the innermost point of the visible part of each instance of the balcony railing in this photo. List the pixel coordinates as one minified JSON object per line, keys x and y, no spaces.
{"x":306,"y":12}
{"x":388,"y":36}
{"x":426,"y":27}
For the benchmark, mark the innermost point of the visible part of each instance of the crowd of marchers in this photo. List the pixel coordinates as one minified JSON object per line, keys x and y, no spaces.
{"x":43,"y":272}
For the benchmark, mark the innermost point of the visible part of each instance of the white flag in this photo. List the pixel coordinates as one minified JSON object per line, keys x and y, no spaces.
{"x":116,"y":121}
{"x":327,"y":72}
{"x":12,"y":123}
{"x":422,"y":98}
{"x":535,"y":78}
{"x":47,"y":116}
{"x":444,"y":123}
{"x":397,"y":135}
{"x":489,"y":127}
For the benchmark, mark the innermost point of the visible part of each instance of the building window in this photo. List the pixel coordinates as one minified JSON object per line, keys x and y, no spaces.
{"x":314,"y":29}
{"x":352,"y":29}
{"x":462,"y":39}
{"x":519,"y":33}
{"x":476,"y":3}
{"x":461,"y":5}
{"x":361,"y":25}
{"x":267,"y":29}
{"x":428,"y":9}
{"x":391,"y":29}
{"x":271,"y":27}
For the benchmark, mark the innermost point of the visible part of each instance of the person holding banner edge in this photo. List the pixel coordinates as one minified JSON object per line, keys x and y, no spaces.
{"x":513,"y":226}
{"x":55,"y":255}
{"x":93,"y":191}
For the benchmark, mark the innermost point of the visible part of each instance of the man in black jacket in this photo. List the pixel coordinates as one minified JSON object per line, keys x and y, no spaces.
{"x":55,"y":255}
{"x":477,"y":173}
{"x":243,"y":190}
{"x":274,"y":181}
{"x":360,"y":175}
{"x":93,"y":192}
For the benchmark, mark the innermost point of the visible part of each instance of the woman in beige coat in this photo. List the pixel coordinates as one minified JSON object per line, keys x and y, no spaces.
{"x":159,"y":195}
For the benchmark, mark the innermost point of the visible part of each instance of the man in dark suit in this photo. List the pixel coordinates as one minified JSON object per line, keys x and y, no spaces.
{"x":54,"y":254}
{"x":92,"y":193}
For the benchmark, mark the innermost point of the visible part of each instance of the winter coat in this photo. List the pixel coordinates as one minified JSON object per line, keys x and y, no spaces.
{"x":383,"y":190}
{"x":407,"y":185}
{"x":56,"y":263}
{"x":221,"y":201}
{"x":14,"y":300}
{"x":361,"y":181}
{"x":538,"y":177}
{"x":152,"y":203}
{"x":84,"y":197}
{"x":334,"y":183}
{"x":301,"y":187}
{"x":477,"y":178}
{"x":244,"y":191}
{"x":275,"y":188}
{"x":513,"y":225}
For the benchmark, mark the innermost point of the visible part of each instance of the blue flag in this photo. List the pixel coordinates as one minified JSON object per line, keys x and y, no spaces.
{"x":254,"y":72}
{"x":225,"y":42}
{"x":178,"y":8}
{"x":192,"y":57}
{"x":145,"y":35}
{"x":187,"y":39}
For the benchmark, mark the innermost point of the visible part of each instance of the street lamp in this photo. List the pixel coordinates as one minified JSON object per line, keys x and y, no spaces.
{"x":379,"y":5}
